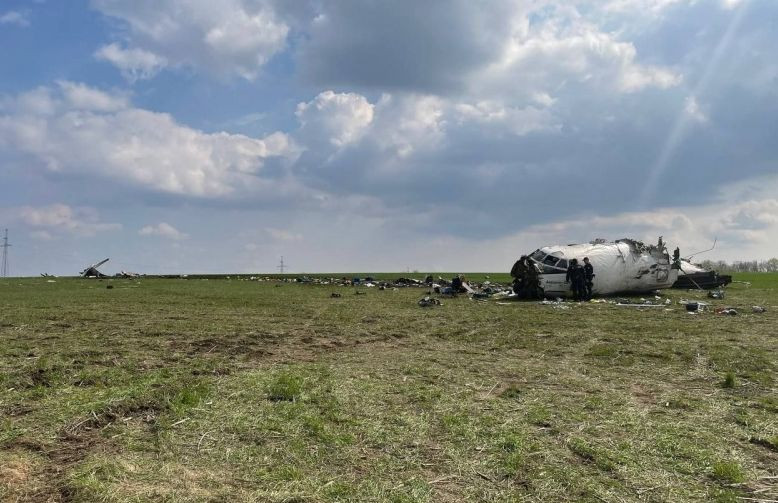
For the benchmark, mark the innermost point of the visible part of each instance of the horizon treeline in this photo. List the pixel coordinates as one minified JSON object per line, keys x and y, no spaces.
{"x":770,"y":265}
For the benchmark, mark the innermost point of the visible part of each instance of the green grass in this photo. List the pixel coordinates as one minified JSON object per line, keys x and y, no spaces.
{"x":233,"y":390}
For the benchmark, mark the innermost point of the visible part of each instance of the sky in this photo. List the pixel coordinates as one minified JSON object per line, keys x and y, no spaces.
{"x":215,"y":136}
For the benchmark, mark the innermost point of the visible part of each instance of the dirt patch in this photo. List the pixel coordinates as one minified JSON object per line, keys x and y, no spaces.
{"x":15,"y":472}
{"x":643,"y":395}
{"x":74,"y":443}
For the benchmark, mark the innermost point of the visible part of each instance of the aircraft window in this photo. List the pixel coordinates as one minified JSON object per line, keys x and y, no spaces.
{"x":550,"y":260}
{"x":562,"y":263}
{"x":538,"y":255}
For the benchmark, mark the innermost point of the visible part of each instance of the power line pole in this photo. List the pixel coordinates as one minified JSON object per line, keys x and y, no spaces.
{"x":5,"y":245}
{"x":281,"y":266}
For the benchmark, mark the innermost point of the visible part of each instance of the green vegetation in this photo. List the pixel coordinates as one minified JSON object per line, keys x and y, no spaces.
{"x":233,"y":390}
{"x":729,"y":380}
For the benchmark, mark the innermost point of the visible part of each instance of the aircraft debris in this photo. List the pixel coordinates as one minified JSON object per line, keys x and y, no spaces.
{"x":92,"y":272}
{"x":731,"y":311}
{"x":429,"y":302}
{"x":694,"y":307}
{"x":758,"y":309}
{"x":693,"y":276}
{"x":621,"y":266}
{"x":128,"y":275}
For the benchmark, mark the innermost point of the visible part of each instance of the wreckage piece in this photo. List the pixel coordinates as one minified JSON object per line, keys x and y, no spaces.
{"x":92,"y":272}
{"x":127,"y":275}
{"x":693,"y":276}
{"x":621,"y":266}
{"x":429,"y":302}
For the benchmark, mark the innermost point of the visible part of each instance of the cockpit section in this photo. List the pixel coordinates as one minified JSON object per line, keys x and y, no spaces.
{"x":549,"y":263}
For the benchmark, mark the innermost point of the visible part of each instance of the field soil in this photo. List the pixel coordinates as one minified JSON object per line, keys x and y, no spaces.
{"x":236,"y":390}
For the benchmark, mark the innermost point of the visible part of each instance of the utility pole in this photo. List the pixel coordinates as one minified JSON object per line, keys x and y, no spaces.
{"x":5,"y":246}
{"x":281,"y":266}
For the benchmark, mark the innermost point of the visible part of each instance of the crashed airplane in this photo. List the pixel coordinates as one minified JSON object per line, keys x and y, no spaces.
{"x":92,"y":272}
{"x":621,"y":266}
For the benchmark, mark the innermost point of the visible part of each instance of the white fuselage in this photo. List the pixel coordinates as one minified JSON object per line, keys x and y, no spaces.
{"x":618,"y":268}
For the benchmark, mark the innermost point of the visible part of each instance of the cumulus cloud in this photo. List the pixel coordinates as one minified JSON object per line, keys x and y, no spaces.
{"x":61,"y":219}
{"x":502,"y":48}
{"x":340,"y":118}
{"x":75,"y":130}
{"x":163,"y":230}
{"x":565,"y":49}
{"x":134,"y":64}
{"x":232,"y":37}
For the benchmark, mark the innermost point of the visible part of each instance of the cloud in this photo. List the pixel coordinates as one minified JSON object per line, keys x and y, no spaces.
{"x":340,"y":118}
{"x":61,"y":219}
{"x":164,"y":230}
{"x":81,"y":97}
{"x":16,"y":17}
{"x":135,"y":64}
{"x":75,"y":130}
{"x":232,"y":37}
{"x":502,"y":48}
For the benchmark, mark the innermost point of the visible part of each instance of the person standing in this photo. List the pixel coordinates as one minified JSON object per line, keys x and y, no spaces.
{"x":589,"y":278}
{"x":575,"y":276}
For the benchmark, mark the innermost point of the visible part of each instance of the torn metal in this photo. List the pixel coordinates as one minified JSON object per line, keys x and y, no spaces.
{"x":693,"y":276}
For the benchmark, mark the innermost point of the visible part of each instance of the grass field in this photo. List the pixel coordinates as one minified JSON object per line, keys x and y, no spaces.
{"x":228,"y":390}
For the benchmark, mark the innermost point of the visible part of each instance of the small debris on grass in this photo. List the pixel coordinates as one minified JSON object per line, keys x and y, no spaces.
{"x":335,"y":295}
{"x":730,"y":311}
{"x":429,"y":302}
{"x":758,"y":309}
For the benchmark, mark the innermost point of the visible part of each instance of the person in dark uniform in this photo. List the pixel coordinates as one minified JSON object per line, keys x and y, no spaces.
{"x":575,"y":276}
{"x":589,"y":278}
{"x":533,"y":280}
{"x":519,"y":275}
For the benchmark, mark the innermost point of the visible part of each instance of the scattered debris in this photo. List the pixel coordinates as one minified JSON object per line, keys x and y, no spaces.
{"x":758,"y":309}
{"x":731,"y":311}
{"x":335,"y":295}
{"x":716,"y":294}
{"x":131,"y":275}
{"x":693,"y":306}
{"x":429,"y":302}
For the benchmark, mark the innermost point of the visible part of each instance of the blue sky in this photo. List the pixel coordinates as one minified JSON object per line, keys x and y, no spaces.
{"x":215,"y":136}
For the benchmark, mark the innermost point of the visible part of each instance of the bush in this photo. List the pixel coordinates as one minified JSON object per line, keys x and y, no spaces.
{"x":729,"y":472}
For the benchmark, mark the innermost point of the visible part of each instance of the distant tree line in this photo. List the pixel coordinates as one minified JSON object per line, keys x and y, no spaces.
{"x":770,"y":265}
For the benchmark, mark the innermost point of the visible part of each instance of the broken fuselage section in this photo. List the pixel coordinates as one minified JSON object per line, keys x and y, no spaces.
{"x":621,"y":266}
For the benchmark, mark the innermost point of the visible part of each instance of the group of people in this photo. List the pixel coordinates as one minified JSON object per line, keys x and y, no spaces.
{"x":581,"y":278}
